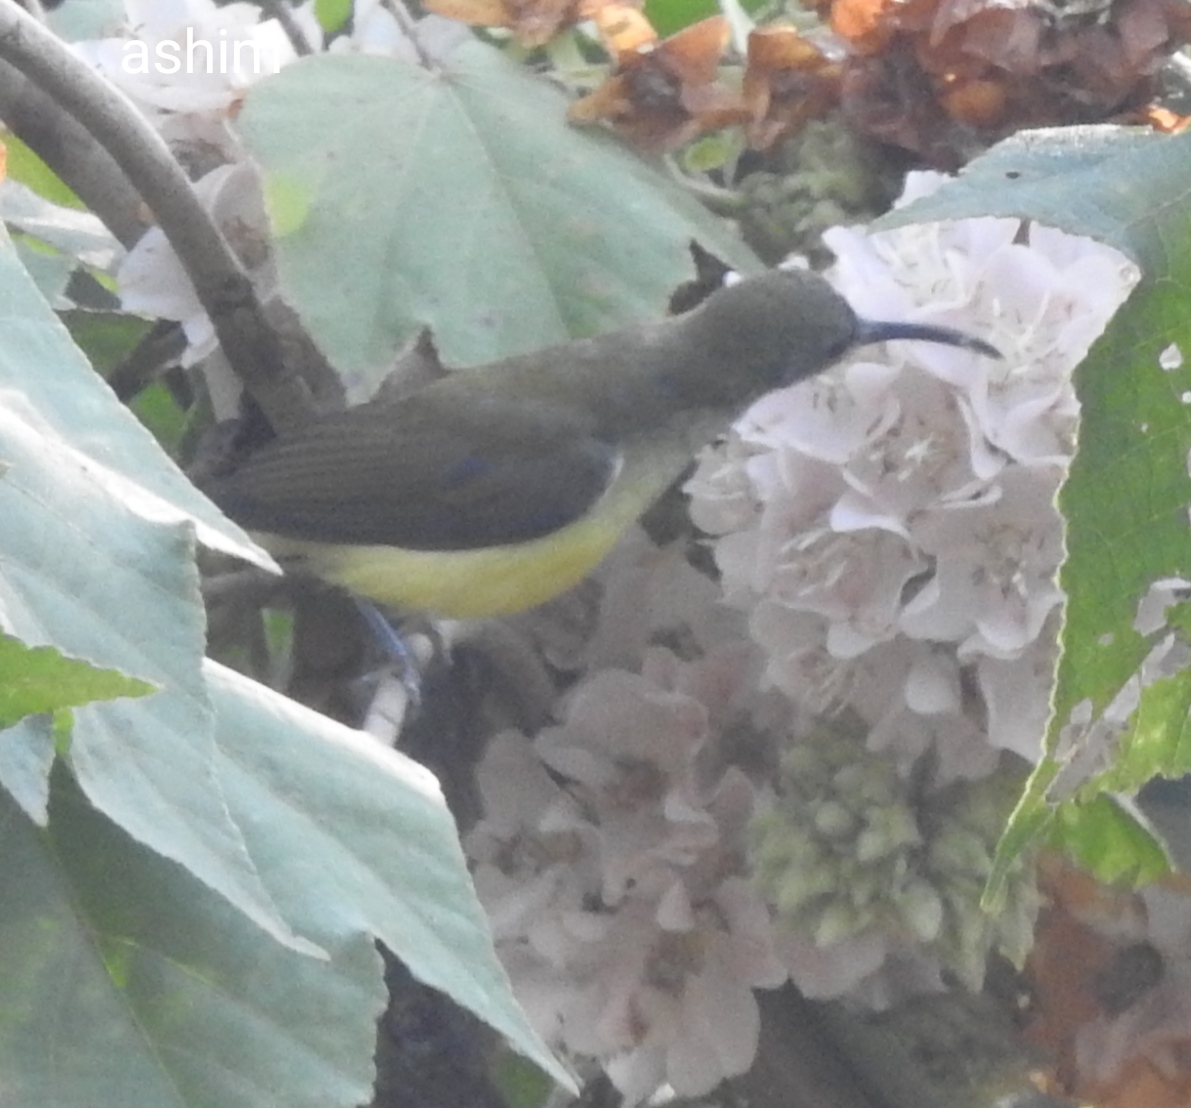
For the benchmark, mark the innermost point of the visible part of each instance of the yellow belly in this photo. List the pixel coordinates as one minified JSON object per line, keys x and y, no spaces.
{"x":496,"y":580}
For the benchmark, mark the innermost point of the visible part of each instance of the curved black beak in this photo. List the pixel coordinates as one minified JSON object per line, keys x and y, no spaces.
{"x":874,"y":330}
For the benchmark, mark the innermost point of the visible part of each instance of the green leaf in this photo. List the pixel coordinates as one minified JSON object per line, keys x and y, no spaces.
{"x":126,"y":981}
{"x":352,"y":832}
{"x":68,"y":402}
{"x":1111,"y":840}
{"x":459,"y":199}
{"x":98,"y":565}
{"x":1158,"y":739}
{"x":41,"y":679}
{"x":193,"y":835}
{"x":671,"y":16}
{"x":1125,"y":497}
{"x":27,"y":752}
{"x":158,"y":409}
{"x":332,"y":14}
{"x":76,"y":234}
{"x":1109,"y":183}
{"x":106,"y":338}
{"x":49,"y":270}
{"x":22,"y":164}
{"x":520,"y":1082}
{"x":75,"y":20}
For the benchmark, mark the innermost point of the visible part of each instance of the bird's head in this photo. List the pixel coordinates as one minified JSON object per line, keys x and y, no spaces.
{"x":775,"y":329}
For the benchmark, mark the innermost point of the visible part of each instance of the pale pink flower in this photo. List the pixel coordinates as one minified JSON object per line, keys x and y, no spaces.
{"x":911,"y":496}
{"x":610,"y":861}
{"x":152,"y":280}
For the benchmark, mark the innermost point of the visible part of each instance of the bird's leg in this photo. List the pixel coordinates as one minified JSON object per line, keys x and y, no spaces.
{"x":386,"y":713}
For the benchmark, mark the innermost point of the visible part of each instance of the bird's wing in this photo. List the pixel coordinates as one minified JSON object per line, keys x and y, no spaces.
{"x":440,"y":470}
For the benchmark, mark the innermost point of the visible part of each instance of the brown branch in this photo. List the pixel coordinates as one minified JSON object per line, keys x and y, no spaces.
{"x":69,"y":150}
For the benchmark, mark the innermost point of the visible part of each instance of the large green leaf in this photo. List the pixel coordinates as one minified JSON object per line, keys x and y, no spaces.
{"x":126,"y":982}
{"x":459,"y":198}
{"x":69,"y":402}
{"x":97,"y":561}
{"x":357,"y":836}
{"x":319,"y":838}
{"x":86,"y":574}
{"x":1125,"y":498}
{"x":1113,"y":184}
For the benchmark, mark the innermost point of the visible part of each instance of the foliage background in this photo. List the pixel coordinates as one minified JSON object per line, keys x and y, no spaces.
{"x":195,"y":869}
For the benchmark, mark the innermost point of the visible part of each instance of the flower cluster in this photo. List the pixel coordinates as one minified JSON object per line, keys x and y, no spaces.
{"x":611,"y":862}
{"x":890,"y":527}
{"x":887,"y":542}
{"x":877,"y":890}
{"x":890,"y":531}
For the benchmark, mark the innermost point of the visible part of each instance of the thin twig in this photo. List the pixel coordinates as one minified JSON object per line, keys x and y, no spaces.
{"x":161,"y":345}
{"x":409,"y":27}
{"x":223,"y":287}
{"x":284,"y":15}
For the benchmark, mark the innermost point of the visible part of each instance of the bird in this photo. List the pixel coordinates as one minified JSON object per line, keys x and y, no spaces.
{"x":493,"y":489}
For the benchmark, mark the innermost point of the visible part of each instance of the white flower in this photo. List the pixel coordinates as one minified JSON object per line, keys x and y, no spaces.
{"x":1017,"y":715}
{"x":910,"y":498}
{"x":691,"y":994}
{"x":610,"y":861}
{"x":995,"y":560}
{"x":152,"y":279}
{"x":189,"y":56}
